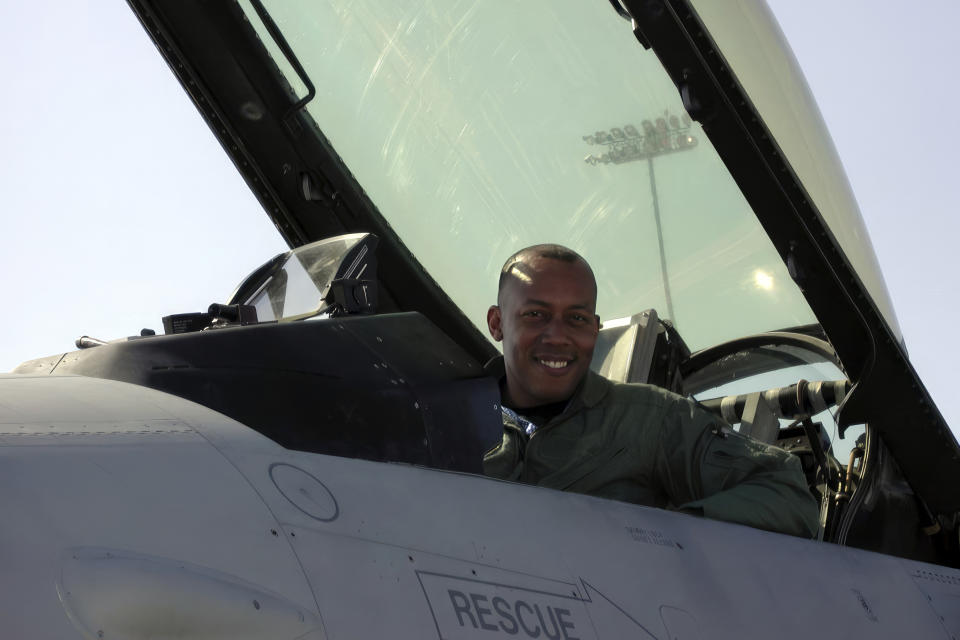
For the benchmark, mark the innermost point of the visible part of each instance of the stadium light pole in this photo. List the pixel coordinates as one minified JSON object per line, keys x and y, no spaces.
{"x":664,"y":135}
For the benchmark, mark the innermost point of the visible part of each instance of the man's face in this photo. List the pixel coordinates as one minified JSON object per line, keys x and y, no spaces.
{"x":548,"y":324}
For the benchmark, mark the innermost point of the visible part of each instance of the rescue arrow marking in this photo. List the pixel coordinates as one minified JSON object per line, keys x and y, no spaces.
{"x":468,"y":608}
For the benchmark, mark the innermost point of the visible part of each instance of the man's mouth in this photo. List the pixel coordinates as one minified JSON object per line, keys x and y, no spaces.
{"x":554,"y":364}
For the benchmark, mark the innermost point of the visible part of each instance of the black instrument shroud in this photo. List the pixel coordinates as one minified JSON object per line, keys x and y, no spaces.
{"x":389,"y":388}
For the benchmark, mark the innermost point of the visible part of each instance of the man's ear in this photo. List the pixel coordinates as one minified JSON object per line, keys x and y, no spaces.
{"x":493,"y":323}
{"x":599,"y":324}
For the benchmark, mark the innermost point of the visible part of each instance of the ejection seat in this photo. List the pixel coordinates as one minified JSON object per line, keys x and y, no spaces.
{"x":640,"y":348}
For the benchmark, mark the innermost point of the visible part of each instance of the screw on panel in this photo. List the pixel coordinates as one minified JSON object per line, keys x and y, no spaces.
{"x":273,"y":531}
{"x":256,"y":605}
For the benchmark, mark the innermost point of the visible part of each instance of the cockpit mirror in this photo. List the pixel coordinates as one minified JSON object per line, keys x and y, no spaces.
{"x":336,"y":276}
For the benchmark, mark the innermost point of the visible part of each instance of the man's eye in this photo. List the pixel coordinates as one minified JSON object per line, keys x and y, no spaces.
{"x":533,"y":315}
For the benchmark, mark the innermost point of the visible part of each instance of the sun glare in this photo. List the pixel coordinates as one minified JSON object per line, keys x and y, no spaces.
{"x":763,"y":280}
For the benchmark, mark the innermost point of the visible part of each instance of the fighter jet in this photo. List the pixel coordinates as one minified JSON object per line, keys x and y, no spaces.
{"x":302,"y":458}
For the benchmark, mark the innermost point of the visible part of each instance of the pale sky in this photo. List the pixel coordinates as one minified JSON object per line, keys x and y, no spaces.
{"x":122,"y":208}
{"x":882,"y":73}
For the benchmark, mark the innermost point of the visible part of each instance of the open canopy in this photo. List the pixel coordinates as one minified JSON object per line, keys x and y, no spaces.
{"x":477,"y":129}
{"x":673,"y":144}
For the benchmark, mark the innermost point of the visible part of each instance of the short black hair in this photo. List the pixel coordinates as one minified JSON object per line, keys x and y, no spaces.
{"x":552,"y":251}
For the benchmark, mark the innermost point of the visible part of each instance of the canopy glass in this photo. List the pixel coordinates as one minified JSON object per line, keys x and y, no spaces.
{"x":481,"y":128}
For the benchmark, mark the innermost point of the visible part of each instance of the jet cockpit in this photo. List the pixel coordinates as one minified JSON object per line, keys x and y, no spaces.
{"x":302,"y":458}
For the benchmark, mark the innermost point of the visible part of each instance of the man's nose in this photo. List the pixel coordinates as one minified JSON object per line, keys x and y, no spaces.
{"x":555,"y":332}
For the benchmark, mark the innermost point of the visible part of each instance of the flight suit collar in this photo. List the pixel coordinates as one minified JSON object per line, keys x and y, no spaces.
{"x":594,"y":389}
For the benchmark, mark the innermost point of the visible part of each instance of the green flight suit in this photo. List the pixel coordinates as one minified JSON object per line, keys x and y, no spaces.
{"x":642,"y":444}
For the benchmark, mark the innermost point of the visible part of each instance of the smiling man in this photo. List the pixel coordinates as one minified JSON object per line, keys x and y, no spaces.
{"x":568,"y":428}
{"x":546,"y":317}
